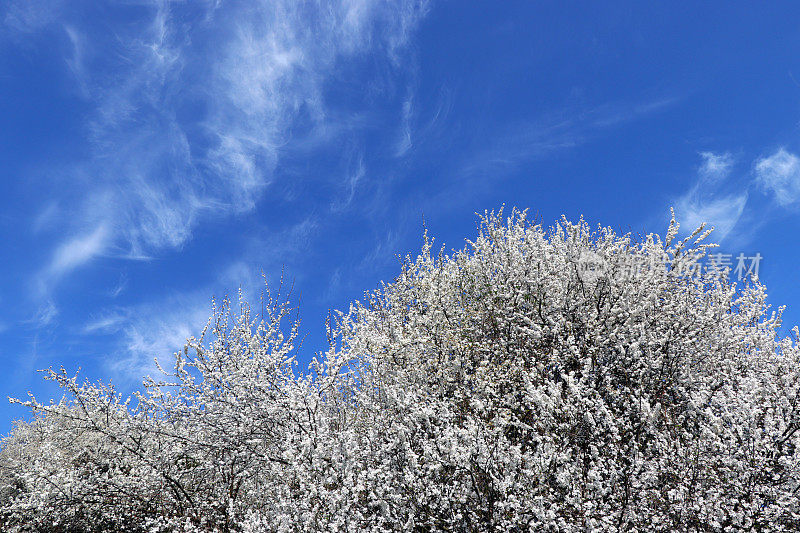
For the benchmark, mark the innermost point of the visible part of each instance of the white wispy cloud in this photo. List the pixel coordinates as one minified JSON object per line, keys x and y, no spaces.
{"x":715,"y":166}
{"x":77,"y":251}
{"x":70,"y":255}
{"x":194,"y":106}
{"x":156,"y":332}
{"x":30,"y":15}
{"x":355,"y":170}
{"x":45,"y":314}
{"x":710,"y":200}
{"x":779,"y":174}
{"x":75,"y":61}
{"x":405,"y":142}
{"x":535,"y":139}
{"x":108,"y":323}
{"x":721,"y":213}
{"x":46,"y":217}
{"x":119,"y":288}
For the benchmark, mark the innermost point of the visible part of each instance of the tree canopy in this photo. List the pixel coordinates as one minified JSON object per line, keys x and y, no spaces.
{"x":539,"y":379}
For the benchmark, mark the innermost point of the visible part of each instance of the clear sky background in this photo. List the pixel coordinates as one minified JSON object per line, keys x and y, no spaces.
{"x":155,"y":154}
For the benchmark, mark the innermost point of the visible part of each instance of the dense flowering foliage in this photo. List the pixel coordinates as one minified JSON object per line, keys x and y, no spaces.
{"x":505,"y":387}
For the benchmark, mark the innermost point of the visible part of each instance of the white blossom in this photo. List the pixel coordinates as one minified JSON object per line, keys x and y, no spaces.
{"x":497,"y":388}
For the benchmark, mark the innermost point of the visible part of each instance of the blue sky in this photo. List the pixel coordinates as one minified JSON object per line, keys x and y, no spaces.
{"x":155,"y":154}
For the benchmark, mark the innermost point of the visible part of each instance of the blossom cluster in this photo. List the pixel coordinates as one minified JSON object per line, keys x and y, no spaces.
{"x":497,"y":388}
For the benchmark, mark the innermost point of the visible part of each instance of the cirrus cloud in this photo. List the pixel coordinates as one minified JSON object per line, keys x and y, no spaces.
{"x":192,"y":106}
{"x":779,"y":174}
